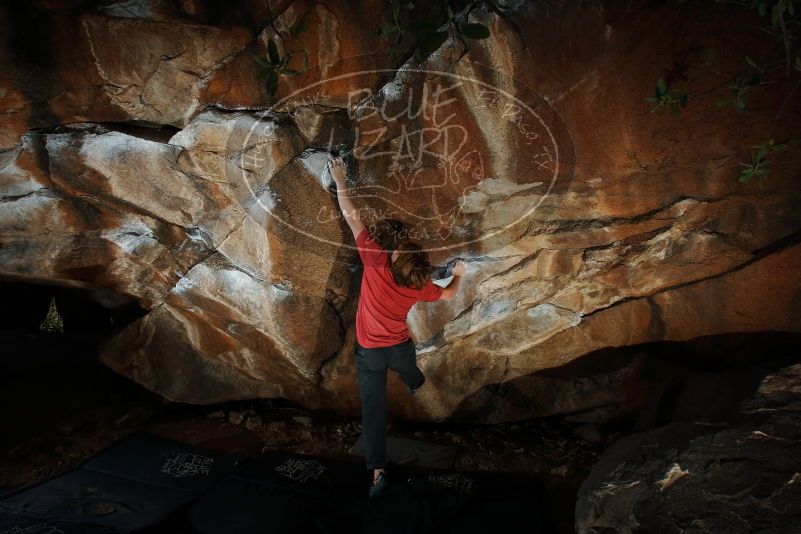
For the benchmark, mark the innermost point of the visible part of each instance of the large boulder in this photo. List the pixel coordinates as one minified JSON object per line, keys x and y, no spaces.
{"x":702,"y":476}
{"x":148,"y":159}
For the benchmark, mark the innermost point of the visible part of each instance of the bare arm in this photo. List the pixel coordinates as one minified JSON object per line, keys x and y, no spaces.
{"x":337,"y":170}
{"x":450,"y":292}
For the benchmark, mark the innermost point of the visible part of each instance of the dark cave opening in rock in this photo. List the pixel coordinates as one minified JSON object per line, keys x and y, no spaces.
{"x":160,"y":133}
{"x":49,"y":376}
{"x":638,"y":387}
{"x":84,"y":311}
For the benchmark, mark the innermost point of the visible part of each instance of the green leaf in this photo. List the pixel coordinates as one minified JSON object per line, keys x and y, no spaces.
{"x":52,"y":322}
{"x":272,"y":83}
{"x":798,"y":63}
{"x":683,"y":99}
{"x":746,"y":174}
{"x":290,"y":72}
{"x":262,"y":62}
{"x":761,"y":171}
{"x":432,"y":42}
{"x":272,"y":52}
{"x":661,"y":87}
{"x":389,"y":31}
{"x":474,"y":31}
{"x":751,"y":62}
{"x":449,"y":12}
{"x":780,"y":147}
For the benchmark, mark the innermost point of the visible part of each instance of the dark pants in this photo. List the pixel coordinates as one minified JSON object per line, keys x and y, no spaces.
{"x":372,"y":365}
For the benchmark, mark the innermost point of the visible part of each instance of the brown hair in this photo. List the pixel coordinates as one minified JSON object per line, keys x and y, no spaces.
{"x":389,"y":233}
{"x":412,"y":267}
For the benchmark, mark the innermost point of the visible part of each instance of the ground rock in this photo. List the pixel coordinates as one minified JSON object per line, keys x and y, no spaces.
{"x":742,"y":477}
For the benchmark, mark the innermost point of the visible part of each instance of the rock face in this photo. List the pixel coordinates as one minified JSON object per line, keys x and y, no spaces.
{"x":147,"y":158}
{"x":704,"y":477}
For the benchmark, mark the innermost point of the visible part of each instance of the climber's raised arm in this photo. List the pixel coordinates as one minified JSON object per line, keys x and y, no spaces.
{"x":337,"y":170}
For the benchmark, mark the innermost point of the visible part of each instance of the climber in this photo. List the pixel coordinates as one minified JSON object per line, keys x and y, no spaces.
{"x":391,"y":285}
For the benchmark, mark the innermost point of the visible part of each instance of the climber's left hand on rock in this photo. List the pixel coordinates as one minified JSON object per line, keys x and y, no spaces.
{"x":337,"y":169}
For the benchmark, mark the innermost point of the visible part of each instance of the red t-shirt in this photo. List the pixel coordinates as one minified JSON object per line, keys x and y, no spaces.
{"x":383,"y":305}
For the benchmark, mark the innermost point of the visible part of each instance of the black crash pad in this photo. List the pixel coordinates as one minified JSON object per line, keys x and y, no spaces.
{"x":287,"y":493}
{"x":13,"y":523}
{"x":440,"y":501}
{"x":137,"y":482}
{"x":284,"y":493}
{"x":147,"y":482}
{"x":157,"y":461}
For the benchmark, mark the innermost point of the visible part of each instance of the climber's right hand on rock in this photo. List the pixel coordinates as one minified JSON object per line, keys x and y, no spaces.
{"x":458,"y":268}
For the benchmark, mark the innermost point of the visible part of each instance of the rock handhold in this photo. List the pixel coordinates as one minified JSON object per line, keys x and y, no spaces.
{"x":235,"y":418}
{"x":254,"y":423}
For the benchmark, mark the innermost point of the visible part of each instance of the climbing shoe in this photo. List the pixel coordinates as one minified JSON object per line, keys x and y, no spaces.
{"x":379,"y":485}
{"x":414,"y":390}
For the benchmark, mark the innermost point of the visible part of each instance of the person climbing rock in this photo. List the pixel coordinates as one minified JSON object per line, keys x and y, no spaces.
{"x":396,"y":276}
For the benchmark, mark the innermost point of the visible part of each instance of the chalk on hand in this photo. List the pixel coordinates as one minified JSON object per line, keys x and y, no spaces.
{"x":444,"y":271}
{"x":316,"y":163}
